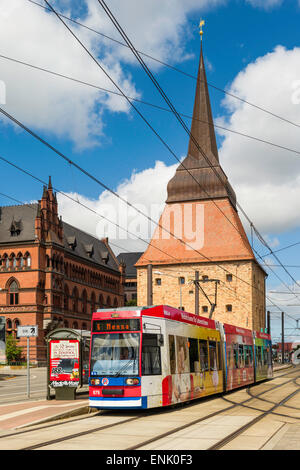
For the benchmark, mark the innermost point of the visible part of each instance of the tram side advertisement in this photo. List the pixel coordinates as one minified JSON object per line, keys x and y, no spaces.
{"x":64,"y":363}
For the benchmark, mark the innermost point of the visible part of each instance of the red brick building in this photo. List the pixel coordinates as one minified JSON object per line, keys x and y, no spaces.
{"x":52,"y":271}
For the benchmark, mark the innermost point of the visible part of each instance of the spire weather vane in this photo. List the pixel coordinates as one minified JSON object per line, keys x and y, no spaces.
{"x":201,"y":24}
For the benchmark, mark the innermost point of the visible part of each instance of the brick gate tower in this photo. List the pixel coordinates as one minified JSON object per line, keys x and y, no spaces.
{"x":200,"y":234}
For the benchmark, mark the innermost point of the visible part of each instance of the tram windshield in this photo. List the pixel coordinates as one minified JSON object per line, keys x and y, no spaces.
{"x":115,"y":354}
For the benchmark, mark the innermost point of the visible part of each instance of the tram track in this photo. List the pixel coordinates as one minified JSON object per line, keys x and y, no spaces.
{"x":242,"y":429}
{"x":231,"y":406}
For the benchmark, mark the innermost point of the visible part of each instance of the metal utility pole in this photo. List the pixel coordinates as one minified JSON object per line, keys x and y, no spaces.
{"x":268,"y":323}
{"x":198,"y":286}
{"x":196,"y":293}
{"x":282,"y":336}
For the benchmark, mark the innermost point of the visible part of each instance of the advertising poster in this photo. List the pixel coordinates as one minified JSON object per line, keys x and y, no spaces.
{"x":64,"y":363}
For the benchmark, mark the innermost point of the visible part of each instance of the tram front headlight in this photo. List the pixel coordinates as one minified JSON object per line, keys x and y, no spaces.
{"x":133,"y":381}
{"x":95,"y":381}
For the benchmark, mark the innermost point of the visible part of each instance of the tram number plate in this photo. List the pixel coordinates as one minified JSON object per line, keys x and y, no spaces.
{"x":111,"y":392}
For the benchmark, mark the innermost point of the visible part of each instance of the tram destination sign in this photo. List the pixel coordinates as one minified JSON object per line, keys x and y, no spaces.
{"x":116,"y":325}
{"x":27,"y":331}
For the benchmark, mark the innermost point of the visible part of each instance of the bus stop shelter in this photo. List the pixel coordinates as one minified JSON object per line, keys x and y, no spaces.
{"x":67,"y":362}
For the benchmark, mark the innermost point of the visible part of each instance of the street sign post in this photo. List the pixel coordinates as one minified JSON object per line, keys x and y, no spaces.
{"x":28,"y":331}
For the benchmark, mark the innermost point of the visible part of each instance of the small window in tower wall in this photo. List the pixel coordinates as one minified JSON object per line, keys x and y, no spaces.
{"x":205,"y":309}
{"x":158,"y":282}
{"x":228,"y":308}
{"x":229,"y":277}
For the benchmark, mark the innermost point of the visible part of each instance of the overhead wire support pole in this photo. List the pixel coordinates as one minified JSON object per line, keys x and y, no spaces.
{"x":282,"y":337}
{"x":212,"y":304}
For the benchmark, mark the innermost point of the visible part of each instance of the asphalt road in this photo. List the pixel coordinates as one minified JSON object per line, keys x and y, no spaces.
{"x":13,"y":384}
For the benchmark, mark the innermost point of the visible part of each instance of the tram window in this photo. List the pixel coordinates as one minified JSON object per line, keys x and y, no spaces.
{"x":219,"y":356}
{"x":250,"y":356}
{"x":246,"y":355}
{"x":194,"y":355}
{"x":259,"y":355}
{"x":203,"y":355}
{"x":229,"y":356}
{"x":213,"y":355}
{"x":241,"y":356}
{"x":151,"y":360}
{"x":172,"y":354}
{"x":236,"y":356}
{"x":265,"y":356}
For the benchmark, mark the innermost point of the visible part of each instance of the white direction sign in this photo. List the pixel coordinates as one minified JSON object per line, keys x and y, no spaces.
{"x":27,"y":331}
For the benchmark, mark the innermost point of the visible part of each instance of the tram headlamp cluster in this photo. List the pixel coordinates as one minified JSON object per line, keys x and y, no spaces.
{"x":132,"y":381}
{"x":95,"y":381}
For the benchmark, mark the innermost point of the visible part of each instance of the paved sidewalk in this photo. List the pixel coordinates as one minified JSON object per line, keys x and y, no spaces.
{"x":26,"y":413}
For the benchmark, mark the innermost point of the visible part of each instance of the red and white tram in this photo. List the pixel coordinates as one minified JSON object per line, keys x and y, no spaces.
{"x":147,"y":357}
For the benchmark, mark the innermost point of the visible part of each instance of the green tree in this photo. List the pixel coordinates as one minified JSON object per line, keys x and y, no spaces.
{"x":13,"y":351}
{"x":131,"y":303}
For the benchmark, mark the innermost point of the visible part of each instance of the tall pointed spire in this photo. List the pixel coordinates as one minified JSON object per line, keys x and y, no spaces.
{"x":202,"y":124}
{"x":195,"y":179}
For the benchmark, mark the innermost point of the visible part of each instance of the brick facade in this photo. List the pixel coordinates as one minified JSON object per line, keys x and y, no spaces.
{"x":51,"y":271}
{"x":240,"y":293}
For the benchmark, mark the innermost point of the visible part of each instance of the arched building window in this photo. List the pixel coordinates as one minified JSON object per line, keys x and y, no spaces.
{"x":84,"y":301}
{"x":93,"y":302}
{"x":75,"y":300}
{"x":27,"y":260}
{"x":13,"y":293}
{"x":66,"y":297}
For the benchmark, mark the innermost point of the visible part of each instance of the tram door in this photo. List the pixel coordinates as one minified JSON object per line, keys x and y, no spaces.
{"x":152,"y":354}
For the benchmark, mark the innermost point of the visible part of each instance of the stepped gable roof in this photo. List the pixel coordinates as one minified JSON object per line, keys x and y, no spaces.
{"x":130,"y":259}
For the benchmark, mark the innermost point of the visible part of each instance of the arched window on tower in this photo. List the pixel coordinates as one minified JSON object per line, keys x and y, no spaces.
{"x":27,"y":260}
{"x":13,"y":293}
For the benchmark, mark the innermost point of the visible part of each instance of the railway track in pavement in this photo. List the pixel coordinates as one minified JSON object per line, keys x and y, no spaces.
{"x":136,"y":431}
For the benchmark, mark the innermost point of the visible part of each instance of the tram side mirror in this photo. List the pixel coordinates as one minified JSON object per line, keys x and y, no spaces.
{"x":160,"y":340}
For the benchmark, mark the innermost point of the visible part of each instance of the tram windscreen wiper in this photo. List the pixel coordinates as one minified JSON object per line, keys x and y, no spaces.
{"x":123,"y":368}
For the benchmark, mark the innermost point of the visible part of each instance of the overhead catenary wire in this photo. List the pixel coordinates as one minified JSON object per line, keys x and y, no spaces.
{"x":147,"y":103}
{"x":171,"y":67}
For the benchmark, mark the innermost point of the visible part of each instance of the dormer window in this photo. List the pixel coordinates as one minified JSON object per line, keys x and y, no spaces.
{"x":15,"y":228}
{"x":105,"y":256}
{"x":72,"y":242}
{"x":89,"y":249}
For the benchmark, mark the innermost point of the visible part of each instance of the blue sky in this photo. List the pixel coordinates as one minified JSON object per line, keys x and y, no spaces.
{"x":101,"y":134}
